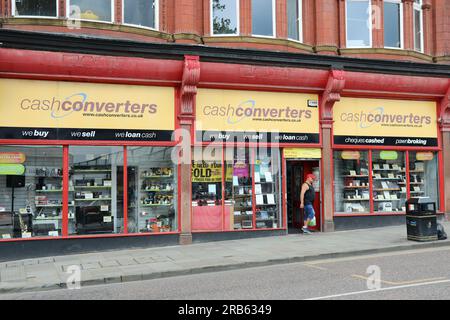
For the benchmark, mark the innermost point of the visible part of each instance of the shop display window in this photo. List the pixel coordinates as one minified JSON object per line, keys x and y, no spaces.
{"x":389,"y":181}
{"x":30,"y":191}
{"x":207,"y":176}
{"x":98,"y":10}
{"x":96,"y":181}
{"x":351,"y":181}
{"x":35,"y":8}
{"x":267,"y":188}
{"x":423,"y":176}
{"x":239,"y":190}
{"x":152,"y":190}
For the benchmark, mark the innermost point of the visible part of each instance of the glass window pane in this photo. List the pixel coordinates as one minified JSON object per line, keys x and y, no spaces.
{"x":358,"y":24}
{"x":423,"y":175}
{"x":140,"y":12}
{"x":293,"y":19}
{"x":262,"y":17}
{"x":389,"y":181}
{"x":417,"y":30}
{"x":152,"y":190}
{"x":392,"y":25}
{"x":351,"y":182}
{"x":96,"y":181}
{"x":43,"y":8}
{"x":238,"y":189}
{"x":91,"y":10}
{"x":224,"y":16}
{"x":30,"y":191}
{"x":267,"y":188}
{"x":207,"y":190}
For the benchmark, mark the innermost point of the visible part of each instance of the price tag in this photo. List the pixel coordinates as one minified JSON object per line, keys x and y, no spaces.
{"x":104,"y":208}
{"x":107,"y":219}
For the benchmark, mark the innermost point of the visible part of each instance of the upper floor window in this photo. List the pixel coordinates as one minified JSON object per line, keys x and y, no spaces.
{"x":418,"y":26}
{"x":358,"y":23}
{"x":98,"y":10}
{"x":35,"y":8}
{"x":393,"y":24}
{"x":143,"y":13}
{"x":225,"y":17}
{"x":263,"y":18}
{"x":294,"y":15}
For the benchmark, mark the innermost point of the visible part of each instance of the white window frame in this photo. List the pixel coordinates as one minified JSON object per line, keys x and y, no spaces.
{"x":211,"y":20}
{"x":13,"y":12}
{"x":300,"y":22}
{"x":274,"y":26}
{"x":113,"y":18}
{"x":401,"y":24}
{"x":418,"y":7}
{"x":140,"y":26}
{"x":346,"y":25}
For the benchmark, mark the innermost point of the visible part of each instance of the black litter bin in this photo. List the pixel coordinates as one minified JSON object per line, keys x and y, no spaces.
{"x":421,"y":222}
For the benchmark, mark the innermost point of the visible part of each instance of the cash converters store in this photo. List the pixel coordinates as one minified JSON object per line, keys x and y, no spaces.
{"x":384,"y":152}
{"x":86,"y":160}
{"x":252,"y":151}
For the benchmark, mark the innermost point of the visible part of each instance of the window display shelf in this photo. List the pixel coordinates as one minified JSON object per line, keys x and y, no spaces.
{"x":92,"y":187}
{"x":381,"y":179}
{"x":51,"y":218}
{"x":356,"y":187}
{"x":158,"y":190}
{"x":95,"y":199}
{"x":347,"y":200}
{"x":51,"y":205}
{"x":154,"y":205}
{"x":92,"y":171}
{"x":156,"y":177}
{"x":52,"y":177}
{"x":389,"y":189}
{"x":416,"y":171}
{"x":357,"y":176}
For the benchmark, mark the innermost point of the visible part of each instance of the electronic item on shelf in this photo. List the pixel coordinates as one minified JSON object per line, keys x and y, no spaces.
{"x":48,"y":172}
{"x":247,"y":224}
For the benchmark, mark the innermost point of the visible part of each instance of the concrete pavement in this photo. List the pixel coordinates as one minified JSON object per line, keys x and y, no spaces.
{"x":142,"y":264}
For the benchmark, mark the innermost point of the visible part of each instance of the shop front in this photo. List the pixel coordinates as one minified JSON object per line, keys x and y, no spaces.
{"x":384,"y":152}
{"x":86,"y":160}
{"x":242,"y":138}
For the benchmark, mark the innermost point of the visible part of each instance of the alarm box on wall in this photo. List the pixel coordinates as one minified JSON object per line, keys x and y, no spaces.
{"x":15,"y":181}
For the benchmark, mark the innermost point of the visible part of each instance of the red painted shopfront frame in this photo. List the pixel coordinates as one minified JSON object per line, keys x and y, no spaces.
{"x":439,"y":153}
{"x":65,"y":144}
{"x":53,"y":66}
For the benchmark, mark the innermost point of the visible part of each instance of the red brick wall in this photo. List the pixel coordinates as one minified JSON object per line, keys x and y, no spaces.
{"x":323,"y":25}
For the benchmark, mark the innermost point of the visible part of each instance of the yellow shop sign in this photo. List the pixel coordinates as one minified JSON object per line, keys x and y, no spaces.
{"x":49,"y":110}
{"x":385,"y":122}
{"x":230,"y":115}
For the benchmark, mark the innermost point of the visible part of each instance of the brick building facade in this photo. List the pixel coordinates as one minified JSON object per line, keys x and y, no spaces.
{"x":368,"y":82}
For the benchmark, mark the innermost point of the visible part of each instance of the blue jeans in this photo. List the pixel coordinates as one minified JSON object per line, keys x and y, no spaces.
{"x":309,"y":212}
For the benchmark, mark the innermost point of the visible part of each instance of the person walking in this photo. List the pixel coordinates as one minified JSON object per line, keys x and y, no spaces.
{"x":307,"y":197}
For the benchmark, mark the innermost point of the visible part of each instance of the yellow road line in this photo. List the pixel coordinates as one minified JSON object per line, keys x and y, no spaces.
{"x":399,"y":283}
{"x":314,"y":266}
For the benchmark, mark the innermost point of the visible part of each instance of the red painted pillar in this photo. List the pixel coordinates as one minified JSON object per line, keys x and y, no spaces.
{"x":188,"y":92}
{"x":332,"y":94}
{"x":444,"y":122}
